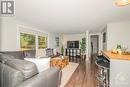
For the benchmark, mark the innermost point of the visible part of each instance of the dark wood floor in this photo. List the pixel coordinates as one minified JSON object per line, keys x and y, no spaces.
{"x":84,"y":75}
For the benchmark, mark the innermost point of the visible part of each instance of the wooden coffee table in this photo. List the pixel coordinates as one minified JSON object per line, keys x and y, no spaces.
{"x":59,"y":62}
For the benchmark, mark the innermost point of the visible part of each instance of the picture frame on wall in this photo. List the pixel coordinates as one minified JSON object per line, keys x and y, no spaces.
{"x":57,"y":41}
{"x":104,"y":37}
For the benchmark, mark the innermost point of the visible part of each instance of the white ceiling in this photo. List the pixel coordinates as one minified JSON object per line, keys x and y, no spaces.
{"x":70,"y":16}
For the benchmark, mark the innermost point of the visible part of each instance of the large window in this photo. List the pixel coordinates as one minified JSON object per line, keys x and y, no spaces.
{"x":27,"y":41}
{"x":32,"y":41}
{"x":42,"y":42}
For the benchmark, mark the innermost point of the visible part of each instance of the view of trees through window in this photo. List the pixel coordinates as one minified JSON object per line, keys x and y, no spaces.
{"x":27,"y":41}
{"x":42,"y":40}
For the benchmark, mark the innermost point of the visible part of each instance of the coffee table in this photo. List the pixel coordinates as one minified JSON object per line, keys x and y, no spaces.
{"x":59,"y":62}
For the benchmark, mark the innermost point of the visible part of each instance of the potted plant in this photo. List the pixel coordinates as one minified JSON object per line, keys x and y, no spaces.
{"x":83,"y":47}
{"x":62,"y":50}
{"x":119,"y":48}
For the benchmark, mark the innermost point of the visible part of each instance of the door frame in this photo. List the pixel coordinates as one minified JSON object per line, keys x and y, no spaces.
{"x":99,"y":42}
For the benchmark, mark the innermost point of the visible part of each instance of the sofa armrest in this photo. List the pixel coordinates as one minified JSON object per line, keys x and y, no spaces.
{"x":48,"y":78}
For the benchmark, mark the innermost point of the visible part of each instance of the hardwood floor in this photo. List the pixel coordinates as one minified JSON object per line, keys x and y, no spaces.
{"x":84,"y":75}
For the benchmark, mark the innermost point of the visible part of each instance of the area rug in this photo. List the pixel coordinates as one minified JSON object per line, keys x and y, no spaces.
{"x":67,"y":73}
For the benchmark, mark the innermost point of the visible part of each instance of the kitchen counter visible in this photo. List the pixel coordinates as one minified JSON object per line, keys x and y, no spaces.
{"x":119,"y":69}
{"x":109,"y":55}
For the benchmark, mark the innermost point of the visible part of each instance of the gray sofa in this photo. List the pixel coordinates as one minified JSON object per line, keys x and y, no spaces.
{"x":16,"y":72}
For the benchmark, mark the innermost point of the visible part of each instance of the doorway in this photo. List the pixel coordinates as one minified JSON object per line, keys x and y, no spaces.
{"x":94,"y":39}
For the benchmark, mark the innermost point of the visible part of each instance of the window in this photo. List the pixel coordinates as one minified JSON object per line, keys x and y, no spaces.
{"x":27,"y":41}
{"x":33,"y":41}
{"x":42,"y":42}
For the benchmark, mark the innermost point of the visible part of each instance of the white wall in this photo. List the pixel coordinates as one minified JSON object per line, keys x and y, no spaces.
{"x":104,"y":44}
{"x":87,"y":45}
{"x":118,"y":33}
{"x":9,"y":35}
{"x":72,"y":37}
{"x":60,"y":42}
{"x":52,"y":41}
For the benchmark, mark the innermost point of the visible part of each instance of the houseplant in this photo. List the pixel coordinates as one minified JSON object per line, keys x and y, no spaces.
{"x":62,"y":50}
{"x":83,"y":47}
{"x":119,"y":48}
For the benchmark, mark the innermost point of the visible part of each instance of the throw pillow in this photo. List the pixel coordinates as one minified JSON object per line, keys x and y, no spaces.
{"x":40,"y":53}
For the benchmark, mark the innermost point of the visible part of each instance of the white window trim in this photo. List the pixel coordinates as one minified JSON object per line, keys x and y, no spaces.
{"x":30,"y":30}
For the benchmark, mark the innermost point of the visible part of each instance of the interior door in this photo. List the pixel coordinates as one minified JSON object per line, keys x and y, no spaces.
{"x":94,"y":44}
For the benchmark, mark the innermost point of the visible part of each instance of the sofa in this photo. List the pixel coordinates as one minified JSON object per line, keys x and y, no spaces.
{"x":17,"y":72}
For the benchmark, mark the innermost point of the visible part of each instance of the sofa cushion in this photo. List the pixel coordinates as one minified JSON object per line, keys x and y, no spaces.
{"x":30,"y":53}
{"x":28,"y":69}
{"x":7,"y":75}
{"x":5,"y":57}
{"x":16,"y":54}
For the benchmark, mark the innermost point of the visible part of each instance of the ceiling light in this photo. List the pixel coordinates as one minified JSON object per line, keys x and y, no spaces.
{"x":122,"y":2}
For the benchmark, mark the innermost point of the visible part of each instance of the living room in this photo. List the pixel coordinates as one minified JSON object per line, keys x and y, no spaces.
{"x":12,"y":43}
{"x":60,"y":43}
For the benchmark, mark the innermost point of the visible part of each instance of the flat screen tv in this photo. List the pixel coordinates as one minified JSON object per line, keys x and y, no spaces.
{"x":72,"y":44}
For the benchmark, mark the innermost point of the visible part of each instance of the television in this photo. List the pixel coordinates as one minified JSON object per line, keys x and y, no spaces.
{"x":72,"y":44}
